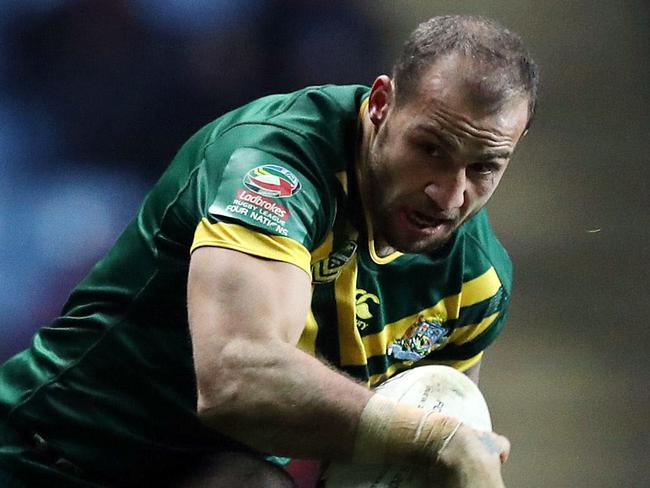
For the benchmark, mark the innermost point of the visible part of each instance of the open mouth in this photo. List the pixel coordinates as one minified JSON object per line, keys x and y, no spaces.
{"x":424,"y":221}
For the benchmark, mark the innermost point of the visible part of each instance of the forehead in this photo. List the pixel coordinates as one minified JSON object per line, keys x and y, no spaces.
{"x":464,"y":91}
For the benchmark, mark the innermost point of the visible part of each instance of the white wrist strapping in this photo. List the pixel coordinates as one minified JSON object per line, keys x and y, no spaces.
{"x":390,"y":432}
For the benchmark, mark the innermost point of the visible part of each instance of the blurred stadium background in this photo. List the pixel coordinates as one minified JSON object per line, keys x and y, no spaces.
{"x":96,"y":96}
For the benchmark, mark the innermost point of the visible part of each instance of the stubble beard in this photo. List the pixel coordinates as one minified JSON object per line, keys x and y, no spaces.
{"x":383,"y":215}
{"x":404,"y":244}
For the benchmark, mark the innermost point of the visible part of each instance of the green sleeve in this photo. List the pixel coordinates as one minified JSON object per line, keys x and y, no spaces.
{"x":268,"y":179}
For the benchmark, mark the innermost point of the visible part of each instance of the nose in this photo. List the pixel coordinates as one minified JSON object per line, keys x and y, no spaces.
{"x":448,"y":190}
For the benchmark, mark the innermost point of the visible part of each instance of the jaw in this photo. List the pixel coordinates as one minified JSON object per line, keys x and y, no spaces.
{"x":408,"y":237}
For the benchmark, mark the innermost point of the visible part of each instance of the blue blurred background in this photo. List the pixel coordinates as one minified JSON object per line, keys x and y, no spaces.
{"x":97,"y":95}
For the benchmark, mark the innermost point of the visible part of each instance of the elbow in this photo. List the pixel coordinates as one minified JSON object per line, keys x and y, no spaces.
{"x":216,"y":407}
{"x":218,"y":398}
{"x":223,"y":390}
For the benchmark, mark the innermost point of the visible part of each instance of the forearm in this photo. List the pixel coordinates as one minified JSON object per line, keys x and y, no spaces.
{"x":275,"y":398}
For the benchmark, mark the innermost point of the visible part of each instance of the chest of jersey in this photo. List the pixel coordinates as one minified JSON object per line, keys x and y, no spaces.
{"x":373,"y":319}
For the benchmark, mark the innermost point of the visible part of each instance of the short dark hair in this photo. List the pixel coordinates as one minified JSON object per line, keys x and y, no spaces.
{"x":487,"y":42}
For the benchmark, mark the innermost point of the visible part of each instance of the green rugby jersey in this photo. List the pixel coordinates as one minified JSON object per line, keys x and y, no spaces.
{"x":269,"y":179}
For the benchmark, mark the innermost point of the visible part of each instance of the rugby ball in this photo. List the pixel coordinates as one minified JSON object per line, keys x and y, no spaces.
{"x":435,"y":388}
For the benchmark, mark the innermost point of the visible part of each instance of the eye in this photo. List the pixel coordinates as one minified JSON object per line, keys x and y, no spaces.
{"x":484,"y":169}
{"x":433,"y":150}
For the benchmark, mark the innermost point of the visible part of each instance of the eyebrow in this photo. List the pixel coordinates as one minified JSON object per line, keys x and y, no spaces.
{"x":449,"y":143}
{"x":492,"y":155}
{"x":433,"y":131}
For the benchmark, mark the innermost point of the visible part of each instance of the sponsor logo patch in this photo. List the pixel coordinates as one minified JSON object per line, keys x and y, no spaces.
{"x":263,"y":204}
{"x":272,"y":181}
{"x":419,"y":340}
{"x":255,"y":207}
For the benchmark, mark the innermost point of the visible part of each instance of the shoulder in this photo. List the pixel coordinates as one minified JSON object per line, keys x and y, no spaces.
{"x":298,"y":111}
{"x":315,"y":126}
{"x":322,"y":117}
{"x":272,"y":165}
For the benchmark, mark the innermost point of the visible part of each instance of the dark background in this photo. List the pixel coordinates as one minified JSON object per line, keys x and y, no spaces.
{"x":96,"y":96}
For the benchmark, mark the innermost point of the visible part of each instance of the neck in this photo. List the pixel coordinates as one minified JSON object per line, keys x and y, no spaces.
{"x":381,"y":247}
{"x":365,"y":141}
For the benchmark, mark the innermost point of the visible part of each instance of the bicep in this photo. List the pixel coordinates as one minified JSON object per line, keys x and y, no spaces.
{"x":233,"y":295}
{"x":253,"y":383}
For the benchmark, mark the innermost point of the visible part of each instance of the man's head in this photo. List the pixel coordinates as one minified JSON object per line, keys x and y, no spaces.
{"x":443,"y":129}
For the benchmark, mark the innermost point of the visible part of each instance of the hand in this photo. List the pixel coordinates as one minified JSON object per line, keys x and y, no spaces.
{"x":472,"y":459}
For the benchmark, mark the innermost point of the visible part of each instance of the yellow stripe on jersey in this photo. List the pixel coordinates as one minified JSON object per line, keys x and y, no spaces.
{"x":324,"y":250}
{"x":240,"y":238}
{"x":464,"y":334}
{"x":371,"y":245}
{"x":461,"y":365}
{"x":363,"y":108}
{"x":473,"y":291}
{"x":307,"y":341}
{"x":392,"y":370}
{"x":342,"y":176}
{"x":480,"y":288}
{"x":350,"y":345}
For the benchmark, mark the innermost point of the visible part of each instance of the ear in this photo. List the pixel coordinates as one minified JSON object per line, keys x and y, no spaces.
{"x":381,"y":97}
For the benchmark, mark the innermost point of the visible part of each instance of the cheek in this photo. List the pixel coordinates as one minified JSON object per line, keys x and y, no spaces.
{"x":398,"y":170}
{"x":480,"y":192}
{"x":391,"y":172}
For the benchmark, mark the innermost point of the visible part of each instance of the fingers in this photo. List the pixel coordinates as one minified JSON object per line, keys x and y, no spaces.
{"x":472,"y":459}
{"x":504,"y":448}
{"x":495,"y":444}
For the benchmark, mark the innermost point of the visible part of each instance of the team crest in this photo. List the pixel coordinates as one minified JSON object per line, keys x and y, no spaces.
{"x":423,"y":337}
{"x":272,"y":181}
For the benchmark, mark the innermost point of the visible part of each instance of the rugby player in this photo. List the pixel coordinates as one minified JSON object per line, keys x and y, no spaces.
{"x":297,"y":252}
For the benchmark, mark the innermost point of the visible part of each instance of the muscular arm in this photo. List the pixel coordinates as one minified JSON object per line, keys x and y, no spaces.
{"x":254,"y":385}
{"x":246,"y":315}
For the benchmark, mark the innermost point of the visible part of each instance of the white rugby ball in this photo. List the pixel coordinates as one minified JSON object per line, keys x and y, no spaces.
{"x":436,"y":388}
